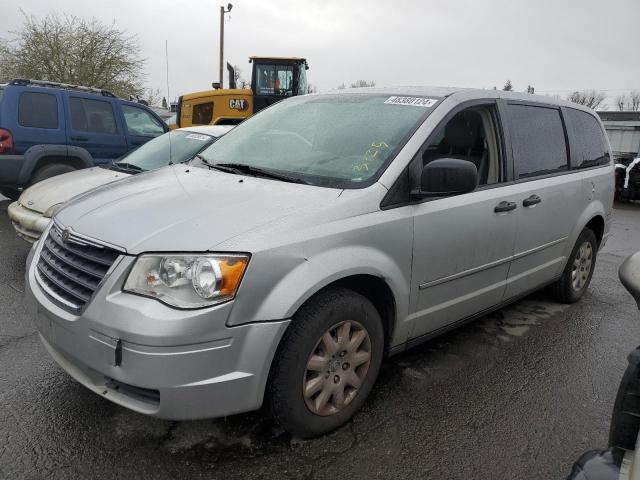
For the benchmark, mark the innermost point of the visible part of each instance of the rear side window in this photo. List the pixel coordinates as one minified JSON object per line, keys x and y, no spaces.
{"x":589,"y":146}
{"x":202,"y":114}
{"x":141,"y":122}
{"x":92,"y":116}
{"x":39,"y":110}
{"x":538,"y":141}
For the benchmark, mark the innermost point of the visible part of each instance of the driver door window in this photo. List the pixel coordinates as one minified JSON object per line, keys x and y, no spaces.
{"x":140,"y":122}
{"x":470,"y":135}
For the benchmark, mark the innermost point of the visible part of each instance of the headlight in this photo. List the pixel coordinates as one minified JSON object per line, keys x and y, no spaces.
{"x":187,"y":280}
{"x":52,"y":210}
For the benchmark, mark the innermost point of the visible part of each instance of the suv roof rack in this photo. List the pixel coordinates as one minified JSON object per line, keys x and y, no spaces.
{"x":67,"y":86}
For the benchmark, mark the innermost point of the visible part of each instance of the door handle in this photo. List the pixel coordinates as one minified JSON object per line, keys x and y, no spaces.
{"x":531,"y":201}
{"x":505,"y":207}
{"x":80,"y":139}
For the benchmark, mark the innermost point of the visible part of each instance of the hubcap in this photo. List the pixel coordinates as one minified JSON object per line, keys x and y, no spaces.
{"x":581,"y":266}
{"x":336,"y":368}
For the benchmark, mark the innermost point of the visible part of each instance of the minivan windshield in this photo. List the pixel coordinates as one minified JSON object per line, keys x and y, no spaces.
{"x":176,"y":146}
{"x":339,"y":141}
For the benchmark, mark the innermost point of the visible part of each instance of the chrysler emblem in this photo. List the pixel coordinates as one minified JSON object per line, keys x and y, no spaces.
{"x":65,"y":235}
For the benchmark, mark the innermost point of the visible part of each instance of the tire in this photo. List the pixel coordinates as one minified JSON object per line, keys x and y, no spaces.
{"x":49,"y":171}
{"x":566,"y":290}
{"x":625,"y":421}
{"x":303,"y":339}
{"x":10,"y":193}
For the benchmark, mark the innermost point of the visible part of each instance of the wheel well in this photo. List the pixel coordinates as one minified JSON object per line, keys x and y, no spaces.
{"x":596,"y":225}
{"x":74,"y":162}
{"x":377,"y":292}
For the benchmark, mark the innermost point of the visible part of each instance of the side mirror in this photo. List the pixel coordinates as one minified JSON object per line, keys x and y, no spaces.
{"x":630,"y":275}
{"x":447,"y":176}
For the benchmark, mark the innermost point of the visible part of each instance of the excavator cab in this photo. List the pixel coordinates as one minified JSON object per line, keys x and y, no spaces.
{"x":272,"y":79}
{"x":276,"y":78}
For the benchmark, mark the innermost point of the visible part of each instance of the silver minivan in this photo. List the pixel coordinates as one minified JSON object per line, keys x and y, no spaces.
{"x":320,"y":235}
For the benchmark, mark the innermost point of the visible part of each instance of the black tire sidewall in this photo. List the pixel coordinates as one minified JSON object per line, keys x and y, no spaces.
{"x":286,"y":379}
{"x":49,"y":171}
{"x":568,"y":293}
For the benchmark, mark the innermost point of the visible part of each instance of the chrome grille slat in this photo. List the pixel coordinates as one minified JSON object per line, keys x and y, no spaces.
{"x":90,"y":283}
{"x":54,"y":249}
{"x":102,"y":256}
{"x":70,"y":270}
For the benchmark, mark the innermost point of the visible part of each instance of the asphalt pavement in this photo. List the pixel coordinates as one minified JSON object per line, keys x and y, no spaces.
{"x":518,"y":394}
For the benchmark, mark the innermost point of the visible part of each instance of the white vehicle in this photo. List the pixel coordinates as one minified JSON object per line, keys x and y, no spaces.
{"x":31,"y":213}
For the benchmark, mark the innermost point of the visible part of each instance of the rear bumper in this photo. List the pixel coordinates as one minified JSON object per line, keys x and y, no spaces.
{"x":28,"y":224}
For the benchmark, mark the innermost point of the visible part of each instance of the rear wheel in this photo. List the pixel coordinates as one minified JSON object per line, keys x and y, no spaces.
{"x":49,"y":171}
{"x":327,"y":363}
{"x":577,"y":274}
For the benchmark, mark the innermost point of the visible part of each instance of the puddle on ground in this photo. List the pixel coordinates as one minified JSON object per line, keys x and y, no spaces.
{"x":517,"y":320}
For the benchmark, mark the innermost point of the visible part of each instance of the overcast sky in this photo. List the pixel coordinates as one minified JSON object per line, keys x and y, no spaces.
{"x":554,"y":45}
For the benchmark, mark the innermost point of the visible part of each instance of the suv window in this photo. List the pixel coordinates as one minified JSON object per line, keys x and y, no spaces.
{"x":92,"y":115}
{"x":202,"y":114}
{"x":141,"y":122}
{"x":538,"y":141}
{"x":470,"y":135}
{"x":589,"y":146}
{"x":39,"y":110}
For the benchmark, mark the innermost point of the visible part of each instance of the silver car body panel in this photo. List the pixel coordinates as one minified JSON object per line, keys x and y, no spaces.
{"x":444,"y":260}
{"x":29,"y":214}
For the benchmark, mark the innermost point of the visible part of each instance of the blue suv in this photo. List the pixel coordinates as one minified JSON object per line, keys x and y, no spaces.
{"x":47,"y":129}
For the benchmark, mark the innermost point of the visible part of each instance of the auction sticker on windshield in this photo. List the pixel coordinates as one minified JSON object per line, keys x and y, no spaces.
{"x":197,"y":136}
{"x":412,"y":101}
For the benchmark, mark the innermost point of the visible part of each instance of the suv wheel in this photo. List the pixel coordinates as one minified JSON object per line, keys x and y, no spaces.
{"x":327,"y":363}
{"x":577,"y":273}
{"x":10,"y":193}
{"x":49,"y":171}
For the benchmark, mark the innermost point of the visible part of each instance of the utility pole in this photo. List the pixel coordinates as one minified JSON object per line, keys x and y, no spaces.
{"x":222,"y":12}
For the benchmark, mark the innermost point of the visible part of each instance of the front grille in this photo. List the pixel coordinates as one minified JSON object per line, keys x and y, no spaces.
{"x":71,"y":270}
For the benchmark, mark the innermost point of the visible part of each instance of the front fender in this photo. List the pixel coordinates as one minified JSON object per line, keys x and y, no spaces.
{"x":298,"y":277}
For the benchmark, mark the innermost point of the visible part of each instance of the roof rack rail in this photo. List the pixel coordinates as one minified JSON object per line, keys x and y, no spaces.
{"x":45,"y":83}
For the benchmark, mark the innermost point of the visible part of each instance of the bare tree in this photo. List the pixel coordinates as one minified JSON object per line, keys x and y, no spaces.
{"x":69,"y":49}
{"x":588,"y":98}
{"x":152,"y":97}
{"x":621,"y":101}
{"x":508,"y":87}
{"x":342,"y":86}
{"x":240,"y":81}
{"x":634,"y":101}
{"x":362,"y":83}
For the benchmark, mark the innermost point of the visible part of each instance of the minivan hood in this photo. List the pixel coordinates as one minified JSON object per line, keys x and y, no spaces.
{"x":59,"y":189}
{"x":182,"y":208}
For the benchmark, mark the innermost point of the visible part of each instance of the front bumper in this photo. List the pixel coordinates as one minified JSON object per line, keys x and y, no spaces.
{"x":27,"y":223}
{"x":175,"y":364}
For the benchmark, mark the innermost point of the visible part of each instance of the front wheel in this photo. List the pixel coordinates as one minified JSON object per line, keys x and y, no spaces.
{"x":327,"y":363}
{"x":577,"y":274}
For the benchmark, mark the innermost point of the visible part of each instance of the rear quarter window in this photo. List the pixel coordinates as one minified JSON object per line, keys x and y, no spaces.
{"x":588,"y":142}
{"x":538,"y":140}
{"x":38,"y":110}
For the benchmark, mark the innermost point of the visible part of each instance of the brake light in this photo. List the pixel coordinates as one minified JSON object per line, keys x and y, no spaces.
{"x":6,"y":141}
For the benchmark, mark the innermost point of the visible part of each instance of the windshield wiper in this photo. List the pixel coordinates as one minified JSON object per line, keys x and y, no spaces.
{"x":128,"y":166}
{"x":261,"y":172}
{"x":241,"y":168}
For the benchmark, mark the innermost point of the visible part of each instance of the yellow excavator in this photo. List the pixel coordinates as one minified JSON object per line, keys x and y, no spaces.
{"x":272,"y":79}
